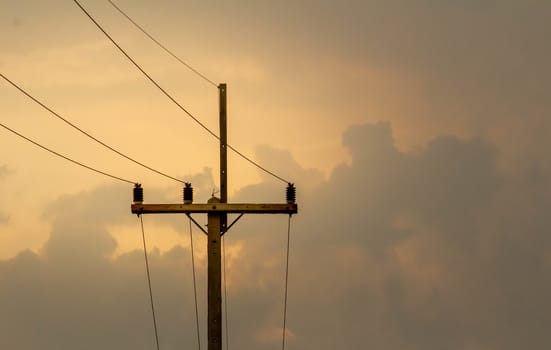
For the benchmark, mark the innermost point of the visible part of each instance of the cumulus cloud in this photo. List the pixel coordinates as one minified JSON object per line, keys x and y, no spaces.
{"x":441,"y":247}
{"x":407,"y":250}
{"x":433,"y":249}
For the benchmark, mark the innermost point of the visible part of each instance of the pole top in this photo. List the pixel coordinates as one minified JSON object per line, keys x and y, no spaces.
{"x":214,"y":200}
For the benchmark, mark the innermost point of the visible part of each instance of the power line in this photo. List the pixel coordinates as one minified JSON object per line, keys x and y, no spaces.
{"x":160,"y":44}
{"x":194,"y":284}
{"x":149,"y":284}
{"x":86,"y":133}
{"x":144,"y":72}
{"x":256,"y":164}
{"x":65,"y":157}
{"x":286,"y":283}
{"x":154,"y":82}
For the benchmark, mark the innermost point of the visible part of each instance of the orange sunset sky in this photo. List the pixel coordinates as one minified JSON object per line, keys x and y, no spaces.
{"x":417,"y":134}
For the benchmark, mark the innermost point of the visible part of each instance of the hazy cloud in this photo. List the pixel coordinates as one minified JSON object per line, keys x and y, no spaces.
{"x":469,"y":68}
{"x":4,"y":170}
{"x":444,"y":246}
{"x":427,"y":250}
{"x":4,"y":218}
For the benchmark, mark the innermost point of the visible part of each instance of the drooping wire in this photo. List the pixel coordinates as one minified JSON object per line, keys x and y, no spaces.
{"x":65,"y":157}
{"x":41,"y":104}
{"x":143,"y":71}
{"x":149,"y":285}
{"x":169,"y":96}
{"x":226,"y":331}
{"x":286,"y":283}
{"x":194,"y":284}
{"x":160,"y":44}
{"x":255,"y":163}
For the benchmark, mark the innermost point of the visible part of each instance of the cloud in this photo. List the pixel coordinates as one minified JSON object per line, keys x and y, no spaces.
{"x":4,"y":218}
{"x":70,"y":66}
{"x":411,"y":250}
{"x":4,"y":171}
{"x":433,"y":249}
{"x":445,"y":246}
{"x":475,"y":68}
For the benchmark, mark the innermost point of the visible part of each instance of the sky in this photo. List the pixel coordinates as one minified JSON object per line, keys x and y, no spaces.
{"x":417,"y":134}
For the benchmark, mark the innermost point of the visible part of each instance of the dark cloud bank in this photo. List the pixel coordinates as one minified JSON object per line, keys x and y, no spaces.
{"x":429,"y":250}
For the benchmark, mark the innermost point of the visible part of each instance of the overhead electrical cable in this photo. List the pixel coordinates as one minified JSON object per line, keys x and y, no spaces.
{"x":65,"y":157}
{"x":149,"y":285}
{"x":160,"y":44}
{"x":257,"y":165}
{"x":286,"y":283}
{"x":143,"y":71}
{"x":194,"y":284}
{"x":169,"y":96}
{"x":86,"y":133}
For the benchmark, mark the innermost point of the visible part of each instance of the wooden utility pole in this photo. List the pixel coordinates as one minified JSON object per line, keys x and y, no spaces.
{"x":217,"y":210}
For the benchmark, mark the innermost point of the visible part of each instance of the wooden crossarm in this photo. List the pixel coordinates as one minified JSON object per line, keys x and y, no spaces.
{"x":246,"y":208}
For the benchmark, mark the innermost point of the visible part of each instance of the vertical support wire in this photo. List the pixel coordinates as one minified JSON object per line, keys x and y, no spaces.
{"x":149,"y":284}
{"x":286,"y":283}
{"x":225,"y":294}
{"x":194,"y":284}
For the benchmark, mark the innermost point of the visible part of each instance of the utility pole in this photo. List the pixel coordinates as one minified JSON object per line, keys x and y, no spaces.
{"x":217,"y":210}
